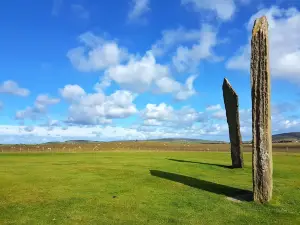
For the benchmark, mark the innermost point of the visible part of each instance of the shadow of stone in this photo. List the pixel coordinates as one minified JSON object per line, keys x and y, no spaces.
{"x":220,"y":189}
{"x":202,"y":163}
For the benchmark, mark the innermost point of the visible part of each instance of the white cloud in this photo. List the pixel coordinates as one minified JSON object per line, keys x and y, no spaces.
{"x":97,"y":108}
{"x":11,"y":87}
{"x":72,"y":92}
{"x":216,"y":129}
{"x":105,"y":82}
{"x":38,"y":110}
{"x":45,"y":100}
{"x":288,"y":124}
{"x":80,"y":11}
{"x":246,"y":118}
{"x":96,"y":53}
{"x":139,"y":8}
{"x":213,"y":107}
{"x":29,"y":128}
{"x":181,"y":92}
{"x":187,"y":90}
{"x":158,"y":112}
{"x":224,"y":9}
{"x":280,"y":122}
{"x":159,"y":121}
{"x":72,"y":131}
{"x":28,"y":113}
{"x":174,"y":36}
{"x":166,"y":115}
{"x":189,"y":58}
{"x":140,"y":75}
{"x":51,"y":124}
{"x":37,"y":134}
{"x":167,"y":85}
{"x":284,"y":49}
{"x":220,"y":114}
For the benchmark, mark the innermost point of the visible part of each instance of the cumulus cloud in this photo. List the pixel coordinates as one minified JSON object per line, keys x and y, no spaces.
{"x":38,"y":134}
{"x":281,"y":123}
{"x":280,"y":120}
{"x":72,"y":92}
{"x":44,"y":100}
{"x":172,"y":37}
{"x":213,"y":107}
{"x":187,"y":58}
{"x":144,"y":74}
{"x":181,"y":92}
{"x":97,"y":108}
{"x":96,"y":53}
{"x":132,"y":72}
{"x":165,"y":115}
{"x":138,"y":74}
{"x":50,"y":124}
{"x":104,"y":82}
{"x":284,"y":49}
{"x":224,"y":9}
{"x":38,"y":110}
{"x":159,"y":121}
{"x":220,"y":114}
{"x":187,"y":90}
{"x":139,"y":8}
{"x":29,"y":128}
{"x":11,"y":87}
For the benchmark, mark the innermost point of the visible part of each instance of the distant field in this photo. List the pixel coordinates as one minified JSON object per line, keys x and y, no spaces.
{"x":141,"y":188}
{"x":139,"y":146}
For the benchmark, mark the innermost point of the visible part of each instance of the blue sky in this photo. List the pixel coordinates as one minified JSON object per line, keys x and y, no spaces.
{"x":139,"y":69}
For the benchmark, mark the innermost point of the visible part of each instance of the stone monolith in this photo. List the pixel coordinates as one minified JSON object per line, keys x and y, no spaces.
{"x":231,"y":102}
{"x":262,"y":166}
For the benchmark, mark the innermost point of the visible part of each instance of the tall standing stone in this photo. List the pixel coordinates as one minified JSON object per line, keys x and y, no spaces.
{"x":231,"y":102}
{"x":262,"y":165}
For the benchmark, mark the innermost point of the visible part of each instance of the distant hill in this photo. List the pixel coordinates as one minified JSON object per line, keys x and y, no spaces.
{"x":160,"y":139}
{"x":79,"y":141}
{"x":283,"y":138}
{"x":286,"y":137}
{"x":186,"y":140}
{"x":70,"y":141}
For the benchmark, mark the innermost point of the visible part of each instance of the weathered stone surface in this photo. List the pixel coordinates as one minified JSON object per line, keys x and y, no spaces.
{"x":262,"y":165}
{"x":231,"y":103}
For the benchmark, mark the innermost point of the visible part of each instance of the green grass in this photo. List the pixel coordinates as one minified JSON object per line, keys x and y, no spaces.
{"x":141,"y":188}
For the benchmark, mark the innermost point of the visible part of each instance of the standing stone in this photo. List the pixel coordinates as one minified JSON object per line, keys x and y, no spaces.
{"x":262,"y":165}
{"x":231,"y":102}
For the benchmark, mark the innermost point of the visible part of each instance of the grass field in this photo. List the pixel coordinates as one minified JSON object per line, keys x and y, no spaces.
{"x":141,"y":188}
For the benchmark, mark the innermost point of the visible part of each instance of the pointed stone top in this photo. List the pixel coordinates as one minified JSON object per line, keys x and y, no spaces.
{"x":260,"y":24}
{"x":225,"y":81}
{"x":227,"y":85}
